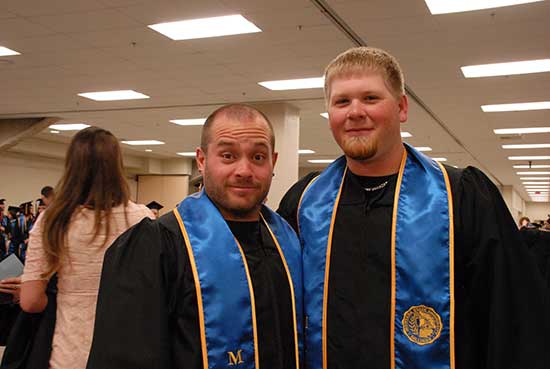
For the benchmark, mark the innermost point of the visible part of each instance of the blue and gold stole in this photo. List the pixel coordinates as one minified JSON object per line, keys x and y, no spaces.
{"x":422,"y":296}
{"x":225,"y":295}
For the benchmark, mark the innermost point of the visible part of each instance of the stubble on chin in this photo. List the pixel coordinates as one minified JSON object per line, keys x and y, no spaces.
{"x":359,"y":148}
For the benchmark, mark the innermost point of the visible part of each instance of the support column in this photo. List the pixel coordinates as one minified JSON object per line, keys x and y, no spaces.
{"x":166,"y":182}
{"x":286,"y":124}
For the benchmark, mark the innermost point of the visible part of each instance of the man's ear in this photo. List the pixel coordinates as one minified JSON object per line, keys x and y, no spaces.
{"x":200,"y":159}
{"x":274,"y":157}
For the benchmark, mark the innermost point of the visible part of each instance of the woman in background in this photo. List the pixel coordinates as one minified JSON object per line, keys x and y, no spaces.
{"x":90,"y":210}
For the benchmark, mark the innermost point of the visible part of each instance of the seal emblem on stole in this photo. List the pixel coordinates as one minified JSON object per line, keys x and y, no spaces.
{"x":422,"y":324}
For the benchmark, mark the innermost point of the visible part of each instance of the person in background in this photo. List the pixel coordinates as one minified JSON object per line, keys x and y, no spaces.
{"x":89,"y":211}
{"x":3,"y":229}
{"x":407,"y":263}
{"x":155,"y":208}
{"x":40,"y":207}
{"x":524,"y":222}
{"x":47,"y":194}
{"x":215,"y":283}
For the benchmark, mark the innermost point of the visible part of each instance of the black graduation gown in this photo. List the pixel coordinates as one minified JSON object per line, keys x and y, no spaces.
{"x":539,"y":244}
{"x":147,"y":314}
{"x":499,"y":321}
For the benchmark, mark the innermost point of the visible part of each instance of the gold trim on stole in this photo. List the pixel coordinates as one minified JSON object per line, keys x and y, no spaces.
{"x":197,"y":289}
{"x":451,"y":265}
{"x":297,"y":350}
{"x":327,"y":270}
{"x":252,"y":305}
{"x":393,"y":229}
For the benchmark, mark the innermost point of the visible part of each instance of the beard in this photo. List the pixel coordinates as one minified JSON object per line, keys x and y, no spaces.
{"x":237,"y":206}
{"x":360,"y":148}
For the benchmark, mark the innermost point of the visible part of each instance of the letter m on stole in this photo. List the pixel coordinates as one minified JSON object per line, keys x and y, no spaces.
{"x":235,"y":359}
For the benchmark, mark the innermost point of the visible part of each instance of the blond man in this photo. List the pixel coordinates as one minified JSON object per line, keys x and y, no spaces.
{"x":407,"y":263}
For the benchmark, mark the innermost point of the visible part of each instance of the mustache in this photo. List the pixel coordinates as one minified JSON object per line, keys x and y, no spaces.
{"x":248,"y":183}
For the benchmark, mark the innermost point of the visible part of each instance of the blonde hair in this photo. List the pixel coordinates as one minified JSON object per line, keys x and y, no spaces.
{"x":359,"y":60}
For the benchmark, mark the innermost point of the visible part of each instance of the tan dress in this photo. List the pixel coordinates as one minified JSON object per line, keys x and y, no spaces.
{"x":78,"y":280}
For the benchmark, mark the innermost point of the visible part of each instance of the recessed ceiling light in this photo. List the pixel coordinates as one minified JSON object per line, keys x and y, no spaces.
{"x":189,"y":122}
{"x":534,"y":157}
{"x":306,"y":151}
{"x":423,"y":148}
{"x":148,"y":150}
{"x":206,"y":27}
{"x":4,"y":51}
{"x":321,"y":161}
{"x":534,"y":178}
{"x":506,"y":69}
{"x":294,"y":84}
{"x":69,"y":127}
{"x":440,"y":159}
{"x":527,"y":146}
{"x":453,"y":6}
{"x":519,"y":131}
{"x":187,"y":153}
{"x":534,"y":166}
{"x":54,"y":131}
{"x":541,"y":105}
{"x":324,"y":115}
{"x":405,"y":134}
{"x":535,"y":183}
{"x":143,"y":142}
{"x":531,"y":173}
{"x":114,"y":95}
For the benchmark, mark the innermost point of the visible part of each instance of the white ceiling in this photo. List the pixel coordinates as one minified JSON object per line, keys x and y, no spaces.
{"x":73,"y":46}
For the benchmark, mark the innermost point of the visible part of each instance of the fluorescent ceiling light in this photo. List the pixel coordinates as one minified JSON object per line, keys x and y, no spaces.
{"x":531,"y":173}
{"x":321,"y":161}
{"x":206,"y":27}
{"x":527,"y":146}
{"x":539,"y":192}
{"x":54,"y":131}
{"x":306,"y":151}
{"x":405,"y":134}
{"x":324,"y":115}
{"x":519,"y":131}
{"x":541,"y":157}
{"x":69,"y":127}
{"x":534,"y":166}
{"x":4,"y":51}
{"x":537,"y":186}
{"x":535,"y":183}
{"x":114,"y":95}
{"x":534,"y":178}
{"x":423,"y":148}
{"x":453,"y":6}
{"x":294,"y":84}
{"x":189,"y":122}
{"x":148,"y":150}
{"x":506,"y":69}
{"x":143,"y":142}
{"x":440,"y":159}
{"x":541,"y":105}
{"x":187,"y":153}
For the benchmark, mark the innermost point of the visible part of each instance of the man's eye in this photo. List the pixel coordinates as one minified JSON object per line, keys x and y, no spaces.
{"x":341,"y":101}
{"x":227,"y":155}
{"x":259,"y":157}
{"x":371,"y":98}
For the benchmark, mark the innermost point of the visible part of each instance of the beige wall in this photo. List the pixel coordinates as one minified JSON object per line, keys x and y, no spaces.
{"x":22,"y":177}
{"x":166,"y":190}
{"x":537,"y":211}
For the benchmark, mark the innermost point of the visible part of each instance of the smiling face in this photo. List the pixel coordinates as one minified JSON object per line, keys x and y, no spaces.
{"x":237,"y":166}
{"x":365,"y":117}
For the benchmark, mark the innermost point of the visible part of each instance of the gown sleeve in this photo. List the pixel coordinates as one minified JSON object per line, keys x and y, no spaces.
{"x":288,"y":207}
{"x":135,"y":299}
{"x":502,"y":307}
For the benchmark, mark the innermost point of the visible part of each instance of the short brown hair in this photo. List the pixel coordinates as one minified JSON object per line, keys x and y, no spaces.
{"x":360,"y":59}
{"x":240,"y":112}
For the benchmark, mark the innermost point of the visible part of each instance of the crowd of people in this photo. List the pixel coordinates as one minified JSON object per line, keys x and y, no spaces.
{"x":386,"y":259}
